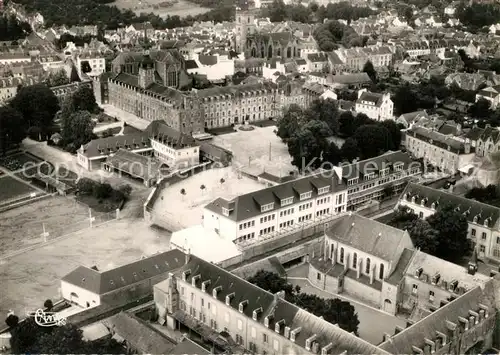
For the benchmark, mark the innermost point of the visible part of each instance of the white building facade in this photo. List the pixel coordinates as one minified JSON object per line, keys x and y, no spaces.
{"x":378,"y":107}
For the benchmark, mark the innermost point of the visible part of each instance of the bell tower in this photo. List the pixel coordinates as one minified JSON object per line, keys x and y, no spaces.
{"x":245,"y":25}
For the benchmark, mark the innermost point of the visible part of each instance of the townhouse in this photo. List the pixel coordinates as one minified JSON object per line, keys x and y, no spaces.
{"x":378,"y":107}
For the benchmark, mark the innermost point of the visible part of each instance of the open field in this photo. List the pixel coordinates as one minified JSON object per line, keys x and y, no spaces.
{"x":22,"y":226}
{"x":261,"y":147}
{"x":29,"y":279}
{"x":182,"y":8}
{"x":185,"y":211}
{"x":11,"y":188}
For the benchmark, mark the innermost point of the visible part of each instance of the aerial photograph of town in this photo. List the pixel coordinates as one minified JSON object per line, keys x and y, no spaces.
{"x":250,"y":177}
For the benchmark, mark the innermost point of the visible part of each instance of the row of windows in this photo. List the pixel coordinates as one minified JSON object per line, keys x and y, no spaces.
{"x":355,"y":263}
{"x":305,"y":218}
{"x":267,"y":218}
{"x":247,"y":225}
{"x":286,"y":224}
{"x":287,"y":212}
{"x":324,"y":200}
{"x":305,"y":206}
{"x":266,"y":230}
{"x":323,"y":212}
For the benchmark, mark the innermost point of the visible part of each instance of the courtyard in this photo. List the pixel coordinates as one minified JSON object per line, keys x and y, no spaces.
{"x":30,"y":278}
{"x":186,"y":210}
{"x":257,"y":151}
{"x":372,"y":322}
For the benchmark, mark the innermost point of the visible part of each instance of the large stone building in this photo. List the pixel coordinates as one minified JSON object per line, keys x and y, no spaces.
{"x":252,"y":43}
{"x":373,"y":179}
{"x":483,"y":219}
{"x":439,"y":150}
{"x":273,"y":210}
{"x":213,"y":301}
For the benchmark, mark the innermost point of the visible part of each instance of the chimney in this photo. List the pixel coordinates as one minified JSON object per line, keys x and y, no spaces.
{"x":279,"y":295}
{"x":188,"y":256}
{"x":485,"y":309}
{"x":465,"y":322}
{"x":431,"y":344}
{"x":309,"y":342}
{"x":294,"y":333}
{"x":194,"y":279}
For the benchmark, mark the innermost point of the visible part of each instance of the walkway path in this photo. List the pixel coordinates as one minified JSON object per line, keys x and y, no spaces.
{"x":69,"y":161}
{"x":127,"y":117}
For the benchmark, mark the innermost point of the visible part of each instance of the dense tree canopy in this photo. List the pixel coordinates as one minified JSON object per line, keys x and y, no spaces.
{"x":38,"y":105}
{"x":332,"y":33}
{"x":443,"y":234}
{"x":12,"y":128}
{"x":57,"y":78}
{"x":477,"y":14}
{"x":77,"y":129}
{"x":12,"y":29}
{"x":373,"y":140}
{"x":28,"y":337}
{"x":333,"y":310}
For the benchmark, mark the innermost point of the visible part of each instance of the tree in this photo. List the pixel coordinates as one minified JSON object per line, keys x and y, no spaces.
{"x":126,"y":190}
{"x":423,"y":236}
{"x":12,"y":320}
{"x":102,"y":191}
{"x":28,"y":337}
{"x":82,"y":99}
{"x":77,"y":129}
{"x":308,"y":144}
{"x":85,"y":186}
{"x":395,"y":133}
{"x":222,"y":181}
{"x":202,"y":188}
{"x":452,"y":227}
{"x":346,"y":124}
{"x":350,"y":150}
{"x":325,"y":111}
{"x":48,"y":304}
{"x":372,"y":140}
{"x":57,"y":78}
{"x":480,"y":109}
{"x":334,"y":311}
{"x":183,"y":193}
{"x":12,"y":128}
{"x":38,"y":105}
{"x":369,"y":69}
{"x":293,"y":117}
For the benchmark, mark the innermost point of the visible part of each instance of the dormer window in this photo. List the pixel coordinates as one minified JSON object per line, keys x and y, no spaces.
{"x":255,"y":313}
{"x":352,"y":181}
{"x":267,"y":207}
{"x":383,"y":172}
{"x":398,"y":167}
{"x":474,"y":219}
{"x":435,"y":279}
{"x":286,"y":201}
{"x":225,"y":211}
{"x":242,"y":305}
{"x":305,"y":195}
{"x":228,"y":298}
{"x":418,"y":272}
{"x":323,"y":190}
{"x":369,"y":176}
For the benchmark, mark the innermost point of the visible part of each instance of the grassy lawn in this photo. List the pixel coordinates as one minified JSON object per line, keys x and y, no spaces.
{"x":107,"y":205}
{"x":11,"y":188}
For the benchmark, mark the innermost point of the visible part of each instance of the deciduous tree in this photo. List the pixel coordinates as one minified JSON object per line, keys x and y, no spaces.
{"x":12,"y":128}
{"x":77,"y":129}
{"x":373,"y":140}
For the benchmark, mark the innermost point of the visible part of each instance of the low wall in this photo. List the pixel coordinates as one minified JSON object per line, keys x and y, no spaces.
{"x":359,"y":290}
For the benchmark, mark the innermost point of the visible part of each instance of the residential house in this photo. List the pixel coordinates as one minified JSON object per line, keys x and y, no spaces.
{"x":378,"y":107}
{"x":491,"y":93}
{"x":317,"y":62}
{"x":488,"y":142}
{"x":90,"y":63}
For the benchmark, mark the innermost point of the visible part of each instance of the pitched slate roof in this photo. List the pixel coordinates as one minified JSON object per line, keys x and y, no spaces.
{"x":159,"y":130}
{"x":374,"y":165}
{"x":317,"y":57}
{"x":490,"y":132}
{"x":249,"y":205}
{"x":141,"y":337}
{"x":426,"y":196}
{"x":401,"y":267}
{"x":107,"y":281}
{"x":354,"y":78}
{"x":370,"y":236}
{"x":137,"y":165}
{"x":437,"y":139}
{"x":275,"y":307}
{"x":112,"y":144}
{"x":439,"y":320}
{"x":374,"y":98}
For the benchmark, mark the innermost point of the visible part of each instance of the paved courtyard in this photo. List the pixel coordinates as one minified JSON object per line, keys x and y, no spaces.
{"x":257,"y":151}
{"x":185,"y":211}
{"x":30,"y":278}
{"x":372,"y":323}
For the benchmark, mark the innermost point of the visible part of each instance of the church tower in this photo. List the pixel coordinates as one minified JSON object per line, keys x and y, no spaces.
{"x":245,"y":25}
{"x":146,"y":71}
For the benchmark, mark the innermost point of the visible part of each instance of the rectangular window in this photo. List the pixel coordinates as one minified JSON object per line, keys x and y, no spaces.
{"x":323,"y":190}
{"x":287,"y":201}
{"x":482,"y":248}
{"x":414,"y":289}
{"x":483,"y":236}
{"x":305,"y":195}
{"x":267,"y":207}
{"x":473,"y":232}
{"x":318,"y":276}
{"x":264,"y":337}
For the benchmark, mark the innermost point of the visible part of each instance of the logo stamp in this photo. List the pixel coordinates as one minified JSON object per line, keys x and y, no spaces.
{"x":47,"y":319}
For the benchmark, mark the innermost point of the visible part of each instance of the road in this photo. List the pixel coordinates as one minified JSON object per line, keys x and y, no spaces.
{"x":372,"y":322}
